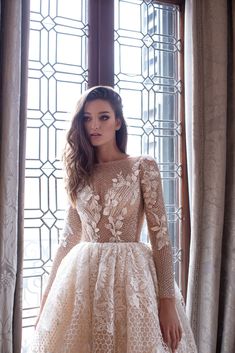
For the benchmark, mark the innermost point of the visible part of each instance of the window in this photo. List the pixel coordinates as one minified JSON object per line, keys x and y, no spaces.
{"x":148,"y":73}
{"x":57,"y":76}
{"x":143,"y":59}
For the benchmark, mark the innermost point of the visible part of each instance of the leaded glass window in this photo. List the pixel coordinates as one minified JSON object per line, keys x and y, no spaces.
{"x":146,"y":73}
{"x":147,"y":57}
{"x":57,"y":76}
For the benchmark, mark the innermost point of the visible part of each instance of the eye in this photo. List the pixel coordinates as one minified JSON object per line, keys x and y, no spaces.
{"x":104,"y":117}
{"x":86,"y":118}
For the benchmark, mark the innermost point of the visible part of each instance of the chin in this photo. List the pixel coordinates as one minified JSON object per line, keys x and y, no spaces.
{"x":101,"y":143}
{"x":95,"y":144}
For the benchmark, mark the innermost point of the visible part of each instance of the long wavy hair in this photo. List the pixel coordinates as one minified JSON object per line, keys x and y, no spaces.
{"x":79,"y":155}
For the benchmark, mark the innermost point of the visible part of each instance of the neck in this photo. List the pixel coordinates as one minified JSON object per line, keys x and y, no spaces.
{"x":107,"y":155}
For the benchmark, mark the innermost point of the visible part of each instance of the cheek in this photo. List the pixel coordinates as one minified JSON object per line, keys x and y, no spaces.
{"x":111,"y":126}
{"x":86,"y":126}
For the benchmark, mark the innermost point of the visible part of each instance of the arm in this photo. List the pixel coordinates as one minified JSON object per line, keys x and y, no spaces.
{"x":157,"y":226}
{"x":162,"y":251}
{"x":70,"y":236}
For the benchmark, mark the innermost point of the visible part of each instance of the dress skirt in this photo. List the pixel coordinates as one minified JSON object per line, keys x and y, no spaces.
{"x":104,"y":299}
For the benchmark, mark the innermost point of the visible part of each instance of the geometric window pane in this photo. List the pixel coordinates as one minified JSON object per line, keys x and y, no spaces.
{"x":147,"y":56}
{"x":57,"y":75}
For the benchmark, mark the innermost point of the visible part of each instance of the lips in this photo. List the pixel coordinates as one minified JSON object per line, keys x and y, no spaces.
{"x":95,"y":134}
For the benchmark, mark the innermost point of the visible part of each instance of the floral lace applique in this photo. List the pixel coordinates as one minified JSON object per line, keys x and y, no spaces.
{"x":129,"y":180}
{"x":90,"y":212}
{"x":150,"y":180}
{"x":123,"y":188}
{"x":67,"y":233}
{"x":155,"y":209}
{"x":115,"y":224}
{"x":72,"y":228}
{"x":161,"y":231}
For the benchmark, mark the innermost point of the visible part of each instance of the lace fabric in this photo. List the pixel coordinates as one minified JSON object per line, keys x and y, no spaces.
{"x":103,"y":300}
{"x":104,"y":286}
{"x":106,"y":210}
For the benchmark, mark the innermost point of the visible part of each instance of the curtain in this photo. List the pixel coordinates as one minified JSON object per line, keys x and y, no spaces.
{"x":13,"y":86}
{"x":210,"y":136}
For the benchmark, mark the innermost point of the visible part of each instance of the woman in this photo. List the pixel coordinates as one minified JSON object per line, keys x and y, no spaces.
{"x":107,"y":292}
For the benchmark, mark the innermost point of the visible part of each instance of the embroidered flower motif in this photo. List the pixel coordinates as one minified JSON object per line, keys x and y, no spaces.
{"x":124,"y":189}
{"x":150,"y":183}
{"x":111,"y":202}
{"x":115,"y":224}
{"x":161,"y":231}
{"x":72,"y":229}
{"x":67,"y":233}
{"x":90,"y":211}
{"x":129,"y":180}
{"x":155,"y":210}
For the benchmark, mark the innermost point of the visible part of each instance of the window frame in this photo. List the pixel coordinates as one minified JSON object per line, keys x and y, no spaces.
{"x":101,"y":71}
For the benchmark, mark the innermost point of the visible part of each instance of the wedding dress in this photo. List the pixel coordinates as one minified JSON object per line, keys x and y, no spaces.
{"x":105,"y":285}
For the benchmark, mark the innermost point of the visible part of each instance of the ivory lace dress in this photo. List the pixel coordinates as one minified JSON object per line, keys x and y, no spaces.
{"x":105,"y":284}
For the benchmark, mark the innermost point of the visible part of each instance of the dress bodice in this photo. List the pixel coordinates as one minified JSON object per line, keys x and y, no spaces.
{"x":112,"y":207}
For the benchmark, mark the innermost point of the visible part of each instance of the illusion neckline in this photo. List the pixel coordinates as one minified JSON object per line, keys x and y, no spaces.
{"x":114,"y":161}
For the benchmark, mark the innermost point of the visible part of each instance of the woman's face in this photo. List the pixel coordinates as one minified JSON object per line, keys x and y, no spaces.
{"x":100,"y":122}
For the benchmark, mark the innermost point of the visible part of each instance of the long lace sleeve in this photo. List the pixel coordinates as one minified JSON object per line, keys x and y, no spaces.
{"x":157,"y":226}
{"x":70,"y":236}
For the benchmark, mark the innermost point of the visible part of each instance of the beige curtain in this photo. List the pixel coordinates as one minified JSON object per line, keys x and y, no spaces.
{"x":210,"y":130}
{"x":13,"y":78}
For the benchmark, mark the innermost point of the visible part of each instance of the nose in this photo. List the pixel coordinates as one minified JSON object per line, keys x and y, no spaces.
{"x":95,"y":124}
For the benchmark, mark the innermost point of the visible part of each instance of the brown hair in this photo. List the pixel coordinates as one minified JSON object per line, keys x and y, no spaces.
{"x":79,"y":155}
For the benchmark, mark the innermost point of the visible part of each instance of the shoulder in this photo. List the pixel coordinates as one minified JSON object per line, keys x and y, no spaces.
{"x":148,"y":168}
{"x":146,"y":158}
{"x":141,"y":160}
{"x":147,"y":161}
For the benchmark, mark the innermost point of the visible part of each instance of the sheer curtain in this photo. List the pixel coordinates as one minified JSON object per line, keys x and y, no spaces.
{"x":13,"y":87}
{"x":210,"y":130}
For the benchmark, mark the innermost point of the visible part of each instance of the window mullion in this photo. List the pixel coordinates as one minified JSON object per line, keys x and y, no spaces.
{"x":101,"y":43}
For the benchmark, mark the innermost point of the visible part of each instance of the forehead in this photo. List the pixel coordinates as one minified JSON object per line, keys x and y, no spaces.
{"x":98,"y":105}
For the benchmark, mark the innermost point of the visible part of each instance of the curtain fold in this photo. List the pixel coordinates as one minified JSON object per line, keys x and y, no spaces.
{"x":13,"y":92}
{"x":209,"y":96}
{"x":226,"y":330}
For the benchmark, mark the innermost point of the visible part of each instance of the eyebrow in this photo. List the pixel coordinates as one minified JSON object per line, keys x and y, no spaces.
{"x":105,"y":112}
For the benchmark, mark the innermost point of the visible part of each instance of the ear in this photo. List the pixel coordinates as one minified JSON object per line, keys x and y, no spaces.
{"x":118,"y":124}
